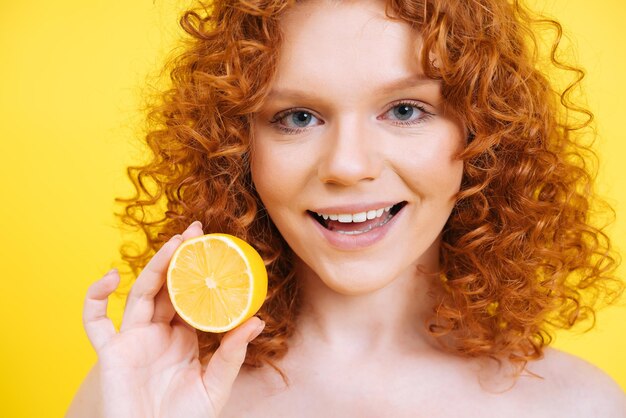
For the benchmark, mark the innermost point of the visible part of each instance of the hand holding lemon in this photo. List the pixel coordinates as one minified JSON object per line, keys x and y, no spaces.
{"x":151,"y":365}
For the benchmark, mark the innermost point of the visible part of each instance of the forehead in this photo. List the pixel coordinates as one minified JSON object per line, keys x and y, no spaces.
{"x":349,"y":44}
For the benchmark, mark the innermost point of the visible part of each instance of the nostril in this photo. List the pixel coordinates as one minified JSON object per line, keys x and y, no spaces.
{"x":350,"y":165}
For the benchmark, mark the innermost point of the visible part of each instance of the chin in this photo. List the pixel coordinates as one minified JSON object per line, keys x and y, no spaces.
{"x":355,"y":283}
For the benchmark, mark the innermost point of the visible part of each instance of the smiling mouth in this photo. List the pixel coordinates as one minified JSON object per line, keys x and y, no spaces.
{"x":359,"y":223}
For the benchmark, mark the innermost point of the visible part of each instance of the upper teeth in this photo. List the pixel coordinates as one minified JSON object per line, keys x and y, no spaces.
{"x":355,"y":217}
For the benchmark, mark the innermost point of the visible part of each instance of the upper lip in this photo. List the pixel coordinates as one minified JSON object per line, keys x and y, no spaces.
{"x":355,"y":208}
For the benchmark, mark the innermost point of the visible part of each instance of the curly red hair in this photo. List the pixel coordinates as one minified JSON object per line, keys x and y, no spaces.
{"x":520,"y":255}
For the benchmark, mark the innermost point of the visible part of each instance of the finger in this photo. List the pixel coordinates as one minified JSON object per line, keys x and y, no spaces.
{"x":140,"y":303}
{"x":163,"y":308}
{"x":193,"y":230}
{"x":98,"y":326}
{"x":225,"y":364}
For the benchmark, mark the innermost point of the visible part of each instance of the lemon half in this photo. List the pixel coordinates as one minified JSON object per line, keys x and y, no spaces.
{"x":216,"y":282}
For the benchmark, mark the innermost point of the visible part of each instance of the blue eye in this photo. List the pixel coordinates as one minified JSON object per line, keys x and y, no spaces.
{"x":294,"y":121}
{"x":403,"y":111}
{"x":300,"y":118}
{"x":407,"y":113}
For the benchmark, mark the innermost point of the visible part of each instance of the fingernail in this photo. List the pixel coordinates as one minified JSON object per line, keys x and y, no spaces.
{"x":112,"y":271}
{"x":257,"y":331}
{"x":196,"y":223}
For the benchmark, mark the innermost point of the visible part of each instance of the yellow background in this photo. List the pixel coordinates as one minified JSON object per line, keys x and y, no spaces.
{"x":71,"y":74}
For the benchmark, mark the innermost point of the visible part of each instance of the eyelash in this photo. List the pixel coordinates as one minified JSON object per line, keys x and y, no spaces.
{"x":282,"y":115}
{"x":292,"y":131}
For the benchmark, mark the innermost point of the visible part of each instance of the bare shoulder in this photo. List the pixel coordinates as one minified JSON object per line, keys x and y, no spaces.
{"x":575,"y":387}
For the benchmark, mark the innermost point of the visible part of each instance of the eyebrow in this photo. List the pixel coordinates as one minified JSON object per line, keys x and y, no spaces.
{"x":399,"y":84}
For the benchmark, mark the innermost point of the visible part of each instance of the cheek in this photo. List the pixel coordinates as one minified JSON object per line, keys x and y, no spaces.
{"x":257,"y":165}
{"x":263,"y":170}
{"x":429,"y":163}
{"x":276,"y":172}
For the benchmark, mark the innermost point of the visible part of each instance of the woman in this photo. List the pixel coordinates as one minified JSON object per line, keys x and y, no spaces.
{"x":413,"y":185}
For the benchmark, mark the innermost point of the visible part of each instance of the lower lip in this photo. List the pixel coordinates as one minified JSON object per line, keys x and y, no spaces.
{"x":358,"y":241}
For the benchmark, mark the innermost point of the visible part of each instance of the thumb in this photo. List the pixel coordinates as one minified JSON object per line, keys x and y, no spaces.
{"x":226,"y":362}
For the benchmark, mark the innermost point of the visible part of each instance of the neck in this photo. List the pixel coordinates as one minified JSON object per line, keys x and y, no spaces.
{"x":390,"y":318}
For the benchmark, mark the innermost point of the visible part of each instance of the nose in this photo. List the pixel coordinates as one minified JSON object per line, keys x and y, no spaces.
{"x":351,"y":154}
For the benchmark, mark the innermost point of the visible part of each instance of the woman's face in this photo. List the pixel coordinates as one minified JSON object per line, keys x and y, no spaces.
{"x":353,"y":149}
